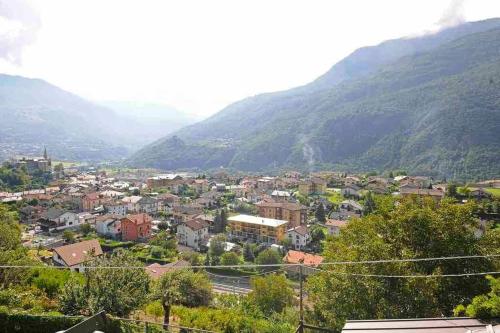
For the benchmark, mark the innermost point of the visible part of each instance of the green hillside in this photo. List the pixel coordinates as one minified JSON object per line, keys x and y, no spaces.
{"x":435,"y":110}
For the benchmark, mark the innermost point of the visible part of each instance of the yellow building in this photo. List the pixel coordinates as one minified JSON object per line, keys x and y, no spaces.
{"x":257,"y":229}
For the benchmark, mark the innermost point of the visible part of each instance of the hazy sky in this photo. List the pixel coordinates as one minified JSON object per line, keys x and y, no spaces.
{"x":201,"y":55}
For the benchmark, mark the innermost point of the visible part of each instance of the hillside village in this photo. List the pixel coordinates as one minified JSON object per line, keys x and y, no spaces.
{"x":88,"y":209}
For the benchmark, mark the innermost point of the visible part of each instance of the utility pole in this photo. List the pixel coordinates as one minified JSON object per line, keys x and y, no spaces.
{"x":300,"y":329}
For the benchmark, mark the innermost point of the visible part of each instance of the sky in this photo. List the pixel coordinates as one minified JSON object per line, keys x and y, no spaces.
{"x":201,"y":55}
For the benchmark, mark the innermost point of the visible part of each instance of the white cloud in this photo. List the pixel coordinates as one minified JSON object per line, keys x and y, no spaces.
{"x":201,"y":55}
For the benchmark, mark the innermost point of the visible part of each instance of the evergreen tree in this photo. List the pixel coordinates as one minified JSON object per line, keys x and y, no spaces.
{"x":369,"y":203}
{"x":320,"y":213}
{"x":223,"y":219}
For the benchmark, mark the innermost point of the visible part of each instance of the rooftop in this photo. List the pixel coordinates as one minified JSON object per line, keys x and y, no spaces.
{"x":250,"y":219}
{"x":424,"y":325}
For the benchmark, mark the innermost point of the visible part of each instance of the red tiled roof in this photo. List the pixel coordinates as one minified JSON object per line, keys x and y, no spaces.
{"x":78,"y":253}
{"x":156,"y":270}
{"x":138,"y":219}
{"x":296,"y":257}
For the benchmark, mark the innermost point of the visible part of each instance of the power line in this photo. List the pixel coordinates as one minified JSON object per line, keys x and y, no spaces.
{"x":276,"y":265}
{"x":430,"y":276}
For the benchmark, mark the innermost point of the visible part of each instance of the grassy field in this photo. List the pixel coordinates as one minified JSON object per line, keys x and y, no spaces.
{"x":333,"y":196}
{"x":494,"y":191}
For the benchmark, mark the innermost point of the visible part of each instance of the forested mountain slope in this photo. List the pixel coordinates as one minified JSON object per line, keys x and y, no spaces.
{"x":435,"y":110}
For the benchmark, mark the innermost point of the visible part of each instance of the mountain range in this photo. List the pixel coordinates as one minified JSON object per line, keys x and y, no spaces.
{"x":36,"y":114}
{"x":429,"y":105}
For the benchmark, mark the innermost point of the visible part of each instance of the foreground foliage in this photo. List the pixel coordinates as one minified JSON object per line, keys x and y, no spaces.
{"x":414,"y":228}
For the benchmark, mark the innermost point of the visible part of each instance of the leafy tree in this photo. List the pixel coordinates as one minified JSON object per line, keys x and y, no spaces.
{"x":182,"y":287}
{"x":194,"y":258}
{"x":165,"y":241}
{"x":268,"y":257}
{"x":248,"y":253}
{"x":68,"y":236}
{"x":217,"y":248}
{"x":483,"y":306}
{"x":50,"y":280}
{"x":415,"y":228}
{"x":85,"y":229}
{"x":58,"y":167}
{"x":271,"y":293}
{"x":320,"y":213}
{"x":157,"y":252}
{"x":230,"y":259}
{"x":163,"y":226}
{"x":117,"y":291}
{"x":11,"y":250}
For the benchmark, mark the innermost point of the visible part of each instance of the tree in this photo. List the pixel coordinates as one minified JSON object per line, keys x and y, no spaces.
{"x":218,"y":227}
{"x":117,"y":291}
{"x":268,"y":257}
{"x":223,"y":219}
{"x":369,"y":204}
{"x":85,"y":229}
{"x":68,"y":236}
{"x":320,"y":213}
{"x":182,"y":287}
{"x":163,"y":226}
{"x":451,"y":190}
{"x":271,"y":294}
{"x":11,"y":250}
{"x":248,"y":253}
{"x":217,"y":248}
{"x":230,"y":259}
{"x":415,"y":228}
{"x":483,"y":306}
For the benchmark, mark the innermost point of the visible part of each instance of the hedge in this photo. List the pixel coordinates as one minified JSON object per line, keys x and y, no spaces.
{"x":27,"y":323}
{"x":31,"y":323}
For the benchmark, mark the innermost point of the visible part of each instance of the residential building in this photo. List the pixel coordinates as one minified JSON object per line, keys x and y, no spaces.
{"x":136,"y":227}
{"x":92,"y":200}
{"x":309,"y":261}
{"x":334,"y":226}
{"x":437,"y":195}
{"x":294,"y":213}
{"x":280,"y":196}
{"x":192,"y":233}
{"x":299,"y":237}
{"x":155,"y":271}
{"x":168,"y":181}
{"x":76,"y":255}
{"x":257,"y":229}
{"x":200,"y":185}
{"x":314,"y":185}
{"x":109,"y":226}
{"x":351,"y":191}
{"x":116,"y":208}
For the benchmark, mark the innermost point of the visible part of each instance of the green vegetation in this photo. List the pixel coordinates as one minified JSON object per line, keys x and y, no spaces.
{"x":17,"y":178}
{"x":483,"y":306}
{"x":415,"y":228}
{"x":333,"y":196}
{"x":426,"y":105}
{"x":117,"y":291}
{"x":494,"y":191}
{"x":182,"y":287}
